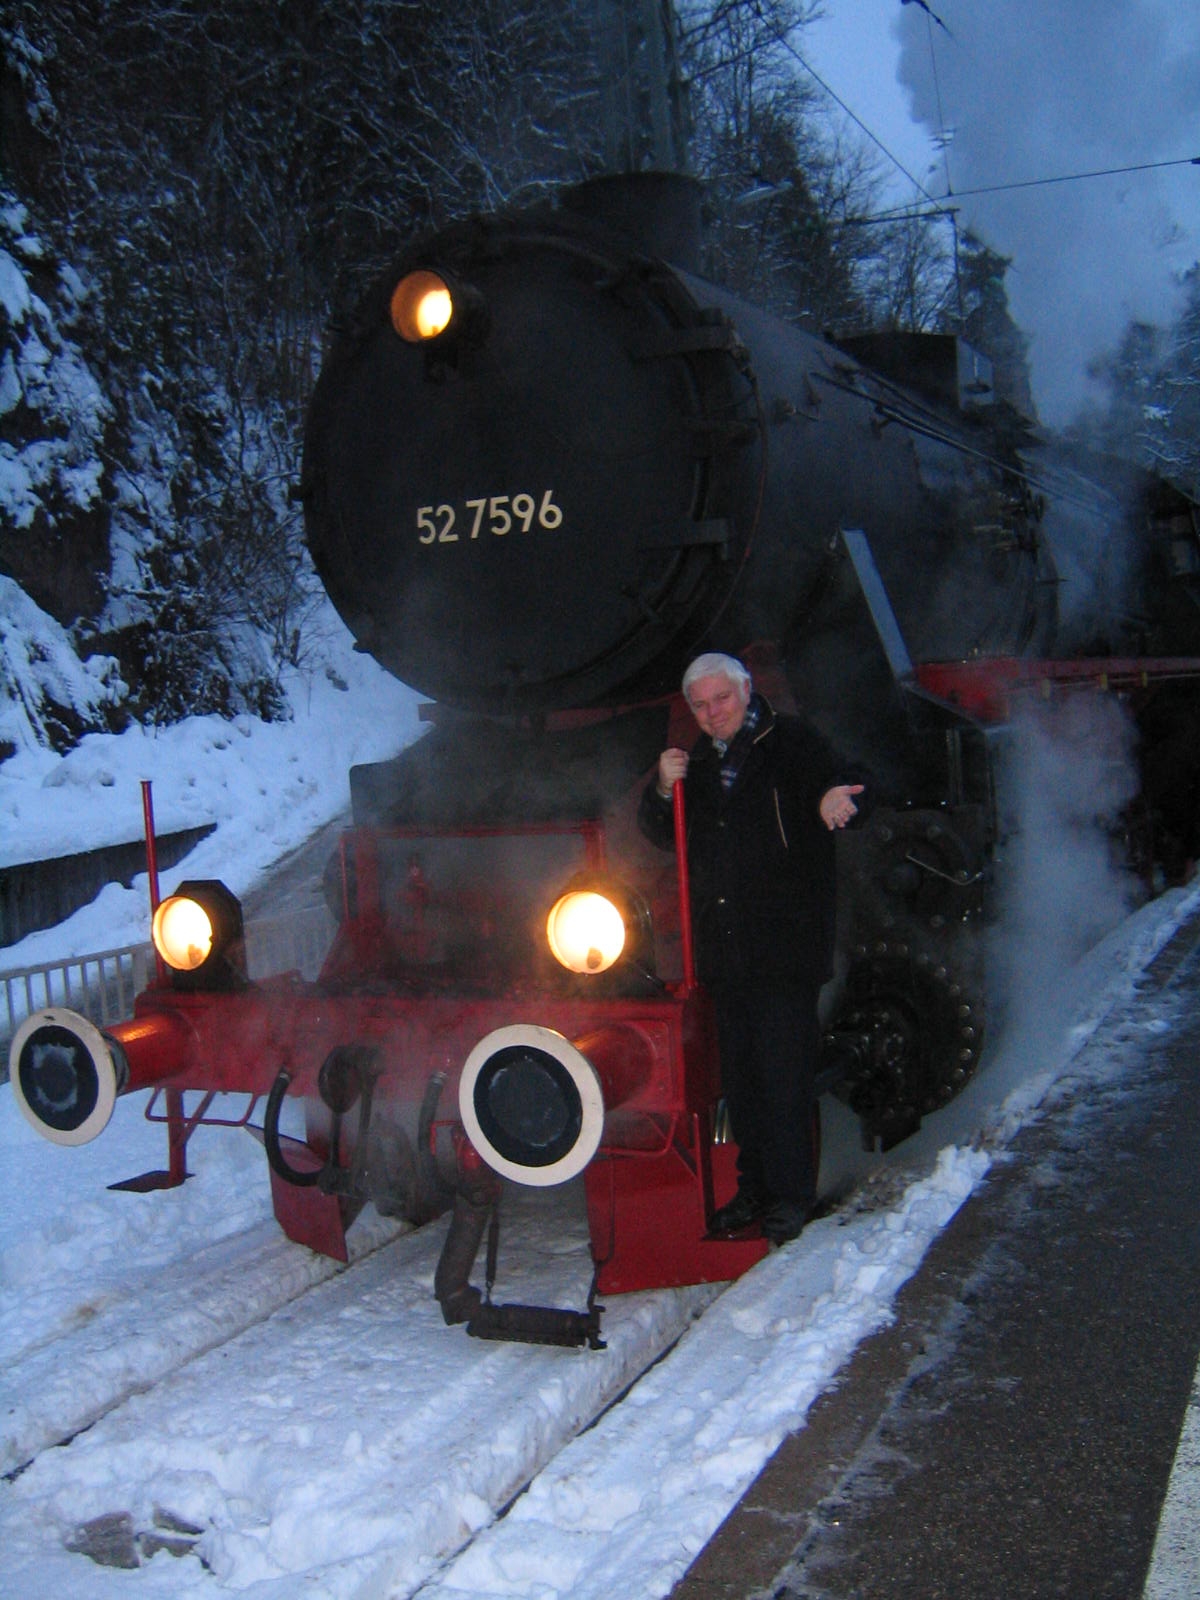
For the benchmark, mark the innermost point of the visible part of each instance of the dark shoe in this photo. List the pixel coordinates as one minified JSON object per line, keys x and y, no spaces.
{"x":745,"y":1208}
{"x":784,"y":1220}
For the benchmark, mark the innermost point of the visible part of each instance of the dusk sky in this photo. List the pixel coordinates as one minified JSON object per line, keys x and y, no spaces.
{"x":1030,"y":90}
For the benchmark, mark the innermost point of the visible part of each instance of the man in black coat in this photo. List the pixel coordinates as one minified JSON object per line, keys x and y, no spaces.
{"x":764,"y":794}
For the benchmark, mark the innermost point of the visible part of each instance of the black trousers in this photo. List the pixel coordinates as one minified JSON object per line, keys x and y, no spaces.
{"x":769,"y":1041}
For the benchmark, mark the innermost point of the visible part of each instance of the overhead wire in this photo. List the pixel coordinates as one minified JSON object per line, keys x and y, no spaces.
{"x":940,"y":209}
{"x":855,"y":118}
{"x":944,"y":142}
{"x":939,"y":202}
{"x":1077,"y":177}
{"x":943,"y":138}
{"x":944,"y":208}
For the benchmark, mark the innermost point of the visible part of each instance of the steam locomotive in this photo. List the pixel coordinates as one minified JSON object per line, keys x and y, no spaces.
{"x":545,"y":463}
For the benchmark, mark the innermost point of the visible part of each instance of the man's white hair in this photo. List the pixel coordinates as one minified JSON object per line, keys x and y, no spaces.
{"x":714,"y":665}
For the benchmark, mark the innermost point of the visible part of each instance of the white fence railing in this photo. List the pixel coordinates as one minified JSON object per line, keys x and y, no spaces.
{"x":102,"y":986}
{"x":296,"y":943}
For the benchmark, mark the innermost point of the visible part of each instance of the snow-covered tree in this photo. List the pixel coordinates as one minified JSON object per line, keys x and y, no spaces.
{"x":771,"y":191}
{"x":1150,"y":383}
{"x":1172,"y":416}
{"x":982,"y":315}
{"x":55,"y":485}
{"x":791,"y":190}
{"x":53,"y":418}
{"x":222,"y":178}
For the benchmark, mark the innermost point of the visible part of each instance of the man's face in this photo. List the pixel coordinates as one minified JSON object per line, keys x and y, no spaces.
{"x":719,"y":705}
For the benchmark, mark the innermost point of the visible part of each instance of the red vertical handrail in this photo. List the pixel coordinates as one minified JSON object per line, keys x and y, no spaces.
{"x":177,"y":1133}
{"x":152,"y":862}
{"x":151,"y":842}
{"x":685,"y":890}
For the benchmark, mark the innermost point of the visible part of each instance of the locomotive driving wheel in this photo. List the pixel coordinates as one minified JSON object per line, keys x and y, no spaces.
{"x":920,"y":871}
{"x":906,"y":1039}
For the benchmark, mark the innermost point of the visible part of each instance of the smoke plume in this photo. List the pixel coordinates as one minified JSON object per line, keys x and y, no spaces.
{"x":1028,"y":90}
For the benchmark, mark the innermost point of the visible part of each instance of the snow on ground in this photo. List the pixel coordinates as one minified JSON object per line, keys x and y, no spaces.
{"x":318,"y":1428}
{"x":268,"y":786}
{"x":349,"y":1445}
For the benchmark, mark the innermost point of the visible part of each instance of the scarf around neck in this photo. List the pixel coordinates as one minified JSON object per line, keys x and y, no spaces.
{"x":733,"y":755}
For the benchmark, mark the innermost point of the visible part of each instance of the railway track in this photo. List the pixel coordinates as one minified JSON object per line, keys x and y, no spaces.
{"x":276,"y":1419}
{"x":143,"y":1330}
{"x":251,"y":1356}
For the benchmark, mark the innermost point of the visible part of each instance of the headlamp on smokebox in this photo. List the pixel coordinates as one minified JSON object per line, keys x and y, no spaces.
{"x":434,"y":308}
{"x":198,"y":932}
{"x":597,"y":923}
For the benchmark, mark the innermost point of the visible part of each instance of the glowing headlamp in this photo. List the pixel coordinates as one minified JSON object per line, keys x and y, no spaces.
{"x":198,"y":933}
{"x":183,"y":933}
{"x":421,"y":307}
{"x":597,"y":924}
{"x":434,"y":308}
{"x":586,"y":931}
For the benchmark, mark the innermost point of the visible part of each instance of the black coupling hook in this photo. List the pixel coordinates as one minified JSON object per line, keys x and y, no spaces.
{"x":347,"y":1076}
{"x":303,"y":1178}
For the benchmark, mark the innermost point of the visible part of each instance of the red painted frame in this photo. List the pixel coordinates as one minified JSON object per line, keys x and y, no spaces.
{"x":988,"y":687}
{"x":657,"y":1176}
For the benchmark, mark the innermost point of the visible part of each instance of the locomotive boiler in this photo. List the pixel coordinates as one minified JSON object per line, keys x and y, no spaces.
{"x":544,"y":464}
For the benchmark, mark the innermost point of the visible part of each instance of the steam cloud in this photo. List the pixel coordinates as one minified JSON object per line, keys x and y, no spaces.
{"x":1069,"y":770}
{"x":1033,"y":90}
